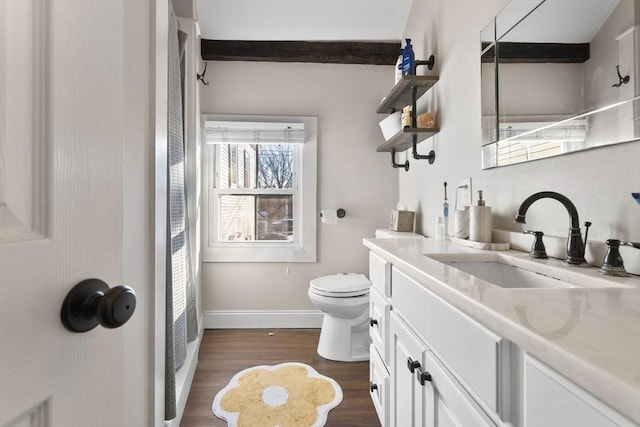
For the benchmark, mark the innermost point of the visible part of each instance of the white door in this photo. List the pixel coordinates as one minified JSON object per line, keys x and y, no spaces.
{"x":61,"y":133}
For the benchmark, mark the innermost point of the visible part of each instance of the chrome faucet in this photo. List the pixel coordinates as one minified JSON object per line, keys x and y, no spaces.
{"x":575,"y":245}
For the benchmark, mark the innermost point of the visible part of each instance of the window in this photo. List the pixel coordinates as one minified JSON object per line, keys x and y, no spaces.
{"x":260,"y":175}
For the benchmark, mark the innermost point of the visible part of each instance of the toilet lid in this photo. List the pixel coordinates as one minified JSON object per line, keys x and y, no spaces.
{"x":344,"y":285}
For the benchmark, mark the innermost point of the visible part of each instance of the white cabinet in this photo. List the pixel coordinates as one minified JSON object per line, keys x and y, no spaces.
{"x":411,"y":329}
{"x":414,"y":335}
{"x":379,"y":311}
{"x":454,"y":337}
{"x":423,"y":393}
{"x":477,"y":378}
{"x":550,"y":400}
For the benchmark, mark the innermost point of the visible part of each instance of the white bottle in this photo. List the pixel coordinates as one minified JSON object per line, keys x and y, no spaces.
{"x":480,"y":221}
{"x":398,"y":74}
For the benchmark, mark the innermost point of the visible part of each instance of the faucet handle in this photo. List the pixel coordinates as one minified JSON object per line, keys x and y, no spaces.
{"x":612,"y":264}
{"x":632,"y":244}
{"x":537,"y":248}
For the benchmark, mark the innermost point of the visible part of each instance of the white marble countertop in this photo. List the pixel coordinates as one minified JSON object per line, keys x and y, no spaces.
{"x":589,"y":335}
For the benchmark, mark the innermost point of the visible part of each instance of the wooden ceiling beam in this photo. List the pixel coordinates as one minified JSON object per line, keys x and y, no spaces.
{"x":557,"y":53}
{"x":322,"y":52}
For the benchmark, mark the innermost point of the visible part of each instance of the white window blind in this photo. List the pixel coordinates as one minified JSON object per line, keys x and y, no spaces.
{"x":227,"y":132}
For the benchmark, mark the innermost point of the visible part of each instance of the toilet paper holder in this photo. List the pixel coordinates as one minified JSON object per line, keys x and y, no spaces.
{"x":340,"y":213}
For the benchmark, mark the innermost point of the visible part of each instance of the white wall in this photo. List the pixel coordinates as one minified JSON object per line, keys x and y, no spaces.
{"x":599,"y":181}
{"x":351,"y":174}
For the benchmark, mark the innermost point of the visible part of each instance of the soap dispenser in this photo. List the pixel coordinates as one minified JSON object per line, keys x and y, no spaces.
{"x":480,"y":221}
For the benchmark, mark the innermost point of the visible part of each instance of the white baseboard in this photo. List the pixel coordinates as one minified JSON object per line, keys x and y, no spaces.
{"x":250,"y":319}
{"x":184,"y":378}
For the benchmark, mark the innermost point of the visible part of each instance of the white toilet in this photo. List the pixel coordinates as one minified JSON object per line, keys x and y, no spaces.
{"x":344,"y":299}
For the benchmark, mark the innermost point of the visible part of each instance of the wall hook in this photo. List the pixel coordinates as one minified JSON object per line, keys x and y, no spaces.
{"x":622,"y":80}
{"x":404,"y":165}
{"x":201,"y":76}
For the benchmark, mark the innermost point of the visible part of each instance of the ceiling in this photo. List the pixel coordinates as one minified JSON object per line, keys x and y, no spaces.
{"x":304,"y":20}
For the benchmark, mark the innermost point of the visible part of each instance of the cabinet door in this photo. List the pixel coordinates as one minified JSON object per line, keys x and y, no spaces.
{"x":445,"y":417}
{"x":407,"y":395}
{"x":551,"y":400}
{"x":454,"y":407}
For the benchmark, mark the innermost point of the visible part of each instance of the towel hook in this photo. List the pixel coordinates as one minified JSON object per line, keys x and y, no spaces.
{"x":201,"y":76}
{"x":622,"y":80}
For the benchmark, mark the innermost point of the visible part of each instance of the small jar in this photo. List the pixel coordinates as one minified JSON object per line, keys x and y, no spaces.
{"x":406,"y":116}
{"x":425,"y":120}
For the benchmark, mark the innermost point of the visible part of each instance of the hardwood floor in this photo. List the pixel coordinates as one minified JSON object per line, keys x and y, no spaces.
{"x":224,"y":352}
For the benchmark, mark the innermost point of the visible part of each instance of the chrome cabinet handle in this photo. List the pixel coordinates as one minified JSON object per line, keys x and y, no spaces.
{"x":91,"y":303}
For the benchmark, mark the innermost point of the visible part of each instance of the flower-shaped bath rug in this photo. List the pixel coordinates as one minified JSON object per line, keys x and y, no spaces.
{"x":286,"y":395}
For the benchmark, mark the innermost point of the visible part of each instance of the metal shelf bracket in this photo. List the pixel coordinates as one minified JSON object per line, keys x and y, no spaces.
{"x":404,"y":165}
{"x":431,"y":157}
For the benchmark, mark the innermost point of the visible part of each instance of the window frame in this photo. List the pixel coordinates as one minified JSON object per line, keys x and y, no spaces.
{"x":303,"y":247}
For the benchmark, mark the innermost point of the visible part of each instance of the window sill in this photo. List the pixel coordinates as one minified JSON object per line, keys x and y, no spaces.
{"x":269,"y":253}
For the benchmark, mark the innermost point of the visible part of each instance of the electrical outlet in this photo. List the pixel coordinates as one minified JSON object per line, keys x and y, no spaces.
{"x":463,"y":193}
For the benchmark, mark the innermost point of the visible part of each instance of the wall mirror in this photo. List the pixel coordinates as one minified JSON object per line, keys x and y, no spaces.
{"x":559,"y":76}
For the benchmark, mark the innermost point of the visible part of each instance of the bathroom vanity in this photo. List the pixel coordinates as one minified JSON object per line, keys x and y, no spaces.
{"x":458,"y":348}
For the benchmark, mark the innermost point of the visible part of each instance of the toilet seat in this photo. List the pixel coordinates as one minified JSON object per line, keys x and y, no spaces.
{"x":341,"y":285}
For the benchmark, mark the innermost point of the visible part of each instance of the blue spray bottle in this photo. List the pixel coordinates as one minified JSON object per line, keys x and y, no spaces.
{"x":408,"y":59}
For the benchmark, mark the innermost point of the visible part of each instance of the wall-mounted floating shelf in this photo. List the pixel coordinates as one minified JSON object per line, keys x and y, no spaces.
{"x":404,"y":139}
{"x":406,"y":92}
{"x":402,"y":93}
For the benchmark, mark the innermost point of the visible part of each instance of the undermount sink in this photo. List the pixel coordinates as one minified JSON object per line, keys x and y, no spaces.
{"x":508,"y":271}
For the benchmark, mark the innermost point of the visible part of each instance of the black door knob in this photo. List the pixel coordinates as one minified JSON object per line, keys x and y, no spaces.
{"x":91,"y":303}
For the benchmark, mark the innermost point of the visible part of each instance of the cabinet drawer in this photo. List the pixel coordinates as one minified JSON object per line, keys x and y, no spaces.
{"x":472,"y":352}
{"x":379,"y":310}
{"x":380,"y":274}
{"x":379,"y":390}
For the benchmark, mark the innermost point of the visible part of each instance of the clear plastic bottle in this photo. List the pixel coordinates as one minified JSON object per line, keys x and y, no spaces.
{"x":439,"y":231}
